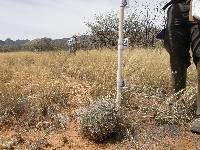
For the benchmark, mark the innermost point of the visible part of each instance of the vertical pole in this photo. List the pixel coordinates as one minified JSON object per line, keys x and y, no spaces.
{"x":120,"y":49}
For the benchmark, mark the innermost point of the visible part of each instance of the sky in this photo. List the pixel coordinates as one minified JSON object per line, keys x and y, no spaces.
{"x":30,"y":19}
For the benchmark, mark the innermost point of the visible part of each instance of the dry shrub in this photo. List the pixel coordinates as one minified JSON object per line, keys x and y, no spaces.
{"x":25,"y":109}
{"x":99,"y":120}
{"x":178,"y":109}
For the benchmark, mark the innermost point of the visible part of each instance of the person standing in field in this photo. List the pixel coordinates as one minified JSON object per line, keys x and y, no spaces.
{"x":181,"y":34}
{"x":73,"y":44}
{"x":70,"y":45}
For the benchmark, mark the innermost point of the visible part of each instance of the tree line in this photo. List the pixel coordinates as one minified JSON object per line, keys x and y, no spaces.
{"x":101,"y":32}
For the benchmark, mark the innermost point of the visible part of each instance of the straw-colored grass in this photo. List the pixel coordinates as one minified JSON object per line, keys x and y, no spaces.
{"x":28,"y":78}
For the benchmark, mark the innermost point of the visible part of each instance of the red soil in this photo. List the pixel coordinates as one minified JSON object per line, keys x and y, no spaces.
{"x":148,"y":135}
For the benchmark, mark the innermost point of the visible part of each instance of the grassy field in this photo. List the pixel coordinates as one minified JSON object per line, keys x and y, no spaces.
{"x":33,"y":85}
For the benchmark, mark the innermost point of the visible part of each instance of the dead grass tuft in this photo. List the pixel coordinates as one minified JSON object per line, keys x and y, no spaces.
{"x":179,"y":108}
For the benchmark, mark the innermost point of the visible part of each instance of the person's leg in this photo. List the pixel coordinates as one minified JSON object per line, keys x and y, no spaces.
{"x":195,"y":125}
{"x":195,"y":44}
{"x":177,"y":43}
{"x":178,"y":73}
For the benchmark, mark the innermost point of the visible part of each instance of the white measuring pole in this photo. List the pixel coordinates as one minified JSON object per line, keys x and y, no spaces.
{"x":123,"y":4}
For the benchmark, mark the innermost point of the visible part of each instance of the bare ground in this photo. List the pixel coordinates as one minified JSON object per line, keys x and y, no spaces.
{"x":147,"y":135}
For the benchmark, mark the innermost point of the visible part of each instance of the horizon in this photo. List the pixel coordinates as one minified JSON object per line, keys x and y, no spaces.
{"x":33,"y":39}
{"x":55,"y":19}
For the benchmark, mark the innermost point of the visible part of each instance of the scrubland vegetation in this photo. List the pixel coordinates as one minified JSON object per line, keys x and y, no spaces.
{"x":53,"y":99}
{"x":48,"y":90}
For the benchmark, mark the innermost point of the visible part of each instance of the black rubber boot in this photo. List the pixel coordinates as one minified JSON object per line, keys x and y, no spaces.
{"x":179,"y":73}
{"x":195,"y":126}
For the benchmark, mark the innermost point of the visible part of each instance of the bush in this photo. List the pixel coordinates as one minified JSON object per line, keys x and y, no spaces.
{"x":44,"y":44}
{"x":103,"y":30}
{"x":99,"y":120}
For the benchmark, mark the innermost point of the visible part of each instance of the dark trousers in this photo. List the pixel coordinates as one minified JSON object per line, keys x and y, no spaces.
{"x":180,"y":36}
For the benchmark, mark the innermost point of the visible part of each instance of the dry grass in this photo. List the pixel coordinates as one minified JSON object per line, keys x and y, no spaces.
{"x":32,"y":84}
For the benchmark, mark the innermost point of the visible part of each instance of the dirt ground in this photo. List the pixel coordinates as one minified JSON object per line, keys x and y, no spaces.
{"x":147,"y":136}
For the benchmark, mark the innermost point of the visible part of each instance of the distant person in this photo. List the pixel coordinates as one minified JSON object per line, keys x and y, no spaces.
{"x":74,"y":43}
{"x":181,"y":34}
{"x":70,"y":44}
